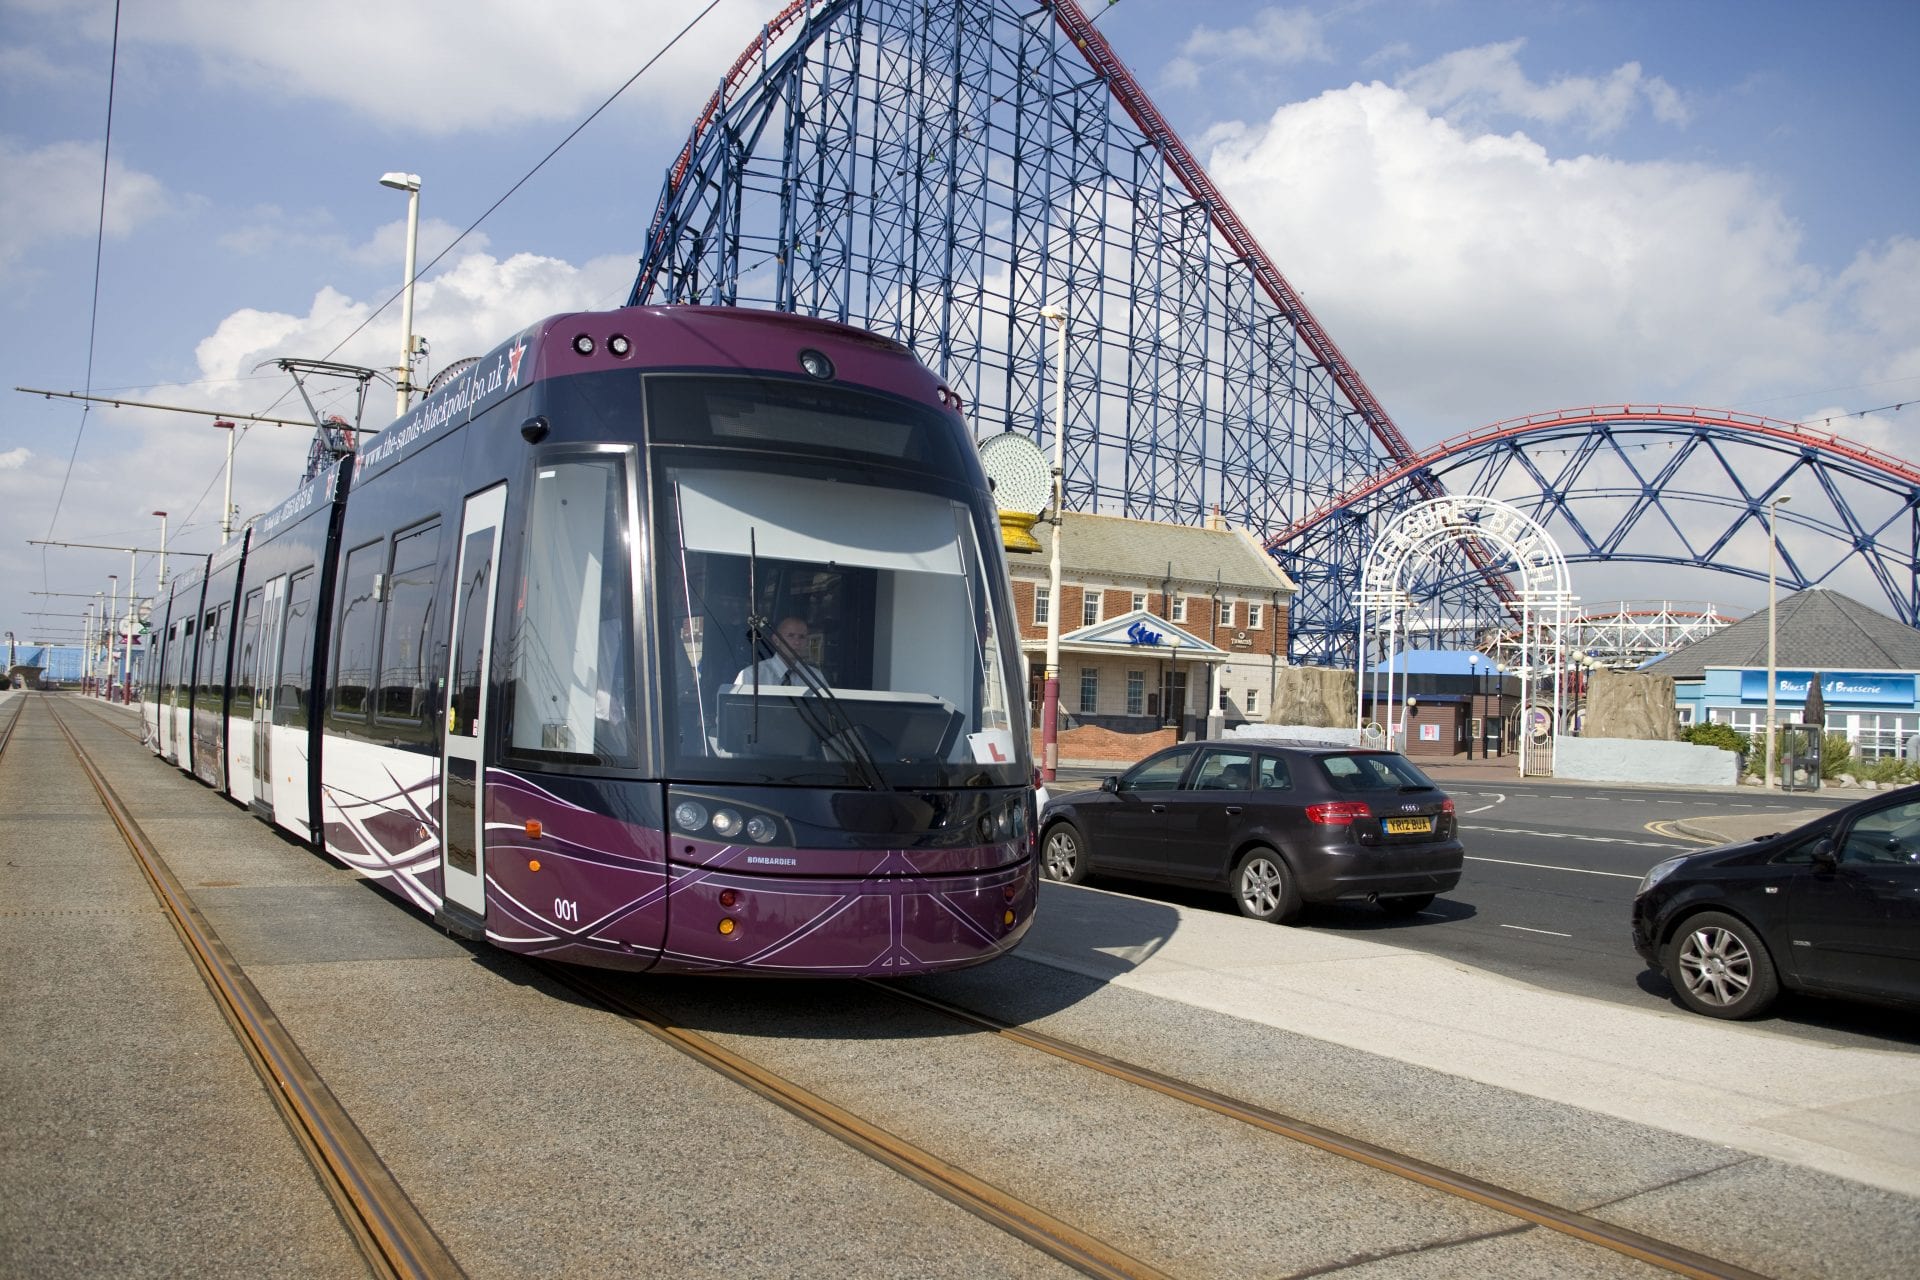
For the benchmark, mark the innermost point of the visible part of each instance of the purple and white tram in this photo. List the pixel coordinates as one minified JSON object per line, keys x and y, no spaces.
{"x":662,"y":638}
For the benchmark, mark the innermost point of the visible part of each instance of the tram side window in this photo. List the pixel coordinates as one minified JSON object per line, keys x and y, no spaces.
{"x":573,"y":668}
{"x":208,"y":677}
{"x":406,"y":638}
{"x":243,"y":669}
{"x":353,"y":647}
{"x":170,"y":664}
{"x":296,"y":653}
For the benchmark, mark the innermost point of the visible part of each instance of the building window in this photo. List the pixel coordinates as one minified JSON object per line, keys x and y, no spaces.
{"x":1179,"y":609}
{"x":1089,"y":690}
{"x":1139,"y":601}
{"x":1226,"y":613}
{"x":1042,"y":605}
{"x":1089,"y":607}
{"x":1253,"y":702}
{"x":1224,"y":705}
{"x":1136,"y":692}
{"x":1254,"y":611}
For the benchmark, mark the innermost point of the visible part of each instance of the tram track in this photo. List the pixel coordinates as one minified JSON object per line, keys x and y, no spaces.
{"x":397,"y":1241}
{"x":393,"y":1237}
{"x":1061,"y":1240}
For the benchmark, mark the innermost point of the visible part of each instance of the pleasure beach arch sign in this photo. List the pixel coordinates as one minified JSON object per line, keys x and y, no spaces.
{"x":1544,"y":601}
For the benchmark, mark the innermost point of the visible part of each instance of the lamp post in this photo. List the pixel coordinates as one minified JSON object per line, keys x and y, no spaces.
{"x":113,"y":613}
{"x":1050,"y":691}
{"x":403,"y":384}
{"x":1476,"y":704}
{"x":160,"y":586}
{"x":1408,"y":719}
{"x":1773,"y":556}
{"x":226,"y":509}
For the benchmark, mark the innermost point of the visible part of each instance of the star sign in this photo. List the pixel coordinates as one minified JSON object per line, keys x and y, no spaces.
{"x":513,"y":362}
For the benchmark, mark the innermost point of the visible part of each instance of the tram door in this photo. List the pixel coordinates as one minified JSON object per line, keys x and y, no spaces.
{"x":265,"y":683}
{"x":462,"y":851}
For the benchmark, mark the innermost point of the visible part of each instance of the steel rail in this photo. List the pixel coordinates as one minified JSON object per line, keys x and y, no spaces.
{"x":386,"y":1225}
{"x":1025,"y":1222}
{"x":6,"y":734}
{"x":1633,"y":1244}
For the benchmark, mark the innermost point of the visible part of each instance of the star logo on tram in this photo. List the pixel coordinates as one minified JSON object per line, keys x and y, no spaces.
{"x":513,"y":362}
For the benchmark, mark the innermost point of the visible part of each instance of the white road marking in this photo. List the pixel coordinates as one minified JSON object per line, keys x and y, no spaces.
{"x":1550,"y":933}
{"x":1570,"y":835}
{"x":1547,"y":866}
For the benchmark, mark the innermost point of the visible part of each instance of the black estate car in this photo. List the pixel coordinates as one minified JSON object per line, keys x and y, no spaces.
{"x":1274,"y":824}
{"x":1831,"y":908}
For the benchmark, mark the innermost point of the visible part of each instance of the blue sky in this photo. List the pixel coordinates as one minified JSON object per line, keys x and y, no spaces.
{"x":1495,"y":208}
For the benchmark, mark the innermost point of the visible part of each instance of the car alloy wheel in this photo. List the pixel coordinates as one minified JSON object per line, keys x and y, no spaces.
{"x":1263,"y":889}
{"x":1061,"y":856}
{"x":1721,"y":968}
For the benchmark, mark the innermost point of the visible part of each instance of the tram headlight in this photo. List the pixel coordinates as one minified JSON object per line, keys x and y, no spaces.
{"x":619,"y":345}
{"x":689,"y":816}
{"x":583,"y":344}
{"x":761,"y":829}
{"x":726,"y":824}
{"x":816,"y":364}
{"x":986,"y":827}
{"x":1003,"y":825}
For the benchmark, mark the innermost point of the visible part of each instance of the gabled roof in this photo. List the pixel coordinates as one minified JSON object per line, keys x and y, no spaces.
{"x":1115,"y":546}
{"x":1140,"y":631}
{"x":1818,"y":630}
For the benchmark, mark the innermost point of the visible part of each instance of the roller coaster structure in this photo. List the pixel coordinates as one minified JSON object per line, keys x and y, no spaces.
{"x":942,"y":172}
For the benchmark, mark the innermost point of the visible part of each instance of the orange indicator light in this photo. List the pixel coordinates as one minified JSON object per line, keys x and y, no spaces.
{"x":726,"y":927}
{"x":533,"y":864}
{"x":1007,"y":918}
{"x":533,"y":828}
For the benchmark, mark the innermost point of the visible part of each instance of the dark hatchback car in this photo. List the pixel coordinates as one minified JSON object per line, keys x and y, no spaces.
{"x":1830,"y":908}
{"x":1274,"y":825}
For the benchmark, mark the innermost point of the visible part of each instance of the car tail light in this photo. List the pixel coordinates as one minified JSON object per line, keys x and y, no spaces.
{"x":1339,"y":813}
{"x":1446,"y":806}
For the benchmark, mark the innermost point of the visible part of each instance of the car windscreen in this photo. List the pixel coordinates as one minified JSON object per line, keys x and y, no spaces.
{"x":1371,"y":771}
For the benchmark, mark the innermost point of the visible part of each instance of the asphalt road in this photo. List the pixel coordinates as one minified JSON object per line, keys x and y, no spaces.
{"x":1546,"y":898}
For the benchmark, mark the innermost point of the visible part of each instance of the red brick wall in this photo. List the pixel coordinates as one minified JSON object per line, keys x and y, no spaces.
{"x":1090,"y":742}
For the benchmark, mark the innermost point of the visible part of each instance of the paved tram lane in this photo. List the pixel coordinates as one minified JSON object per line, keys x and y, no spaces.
{"x":544,"y":1136}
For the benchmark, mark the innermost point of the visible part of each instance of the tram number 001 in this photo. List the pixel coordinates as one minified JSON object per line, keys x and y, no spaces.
{"x":566,"y":909}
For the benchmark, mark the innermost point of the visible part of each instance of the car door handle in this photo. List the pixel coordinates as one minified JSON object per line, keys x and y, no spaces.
{"x":1156,"y":808}
{"x":1233,"y":808}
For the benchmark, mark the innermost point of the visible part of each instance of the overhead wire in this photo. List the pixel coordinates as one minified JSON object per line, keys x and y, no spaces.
{"x":475,"y":224}
{"x":99,"y":250}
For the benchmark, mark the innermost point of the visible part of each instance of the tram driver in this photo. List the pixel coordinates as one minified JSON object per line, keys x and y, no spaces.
{"x":777,"y":669}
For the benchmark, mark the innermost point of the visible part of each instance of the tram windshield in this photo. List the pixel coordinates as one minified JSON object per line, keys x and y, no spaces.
{"x":826,"y":631}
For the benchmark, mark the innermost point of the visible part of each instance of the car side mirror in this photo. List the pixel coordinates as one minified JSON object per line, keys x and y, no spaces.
{"x":1825,"y":856}
{"x":1110,"y":783}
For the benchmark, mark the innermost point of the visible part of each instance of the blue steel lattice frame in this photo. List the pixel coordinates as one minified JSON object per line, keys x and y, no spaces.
{"x":941,"y":173}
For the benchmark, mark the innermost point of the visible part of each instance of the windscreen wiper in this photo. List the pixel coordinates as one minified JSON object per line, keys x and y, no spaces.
{"x":846,"y":739}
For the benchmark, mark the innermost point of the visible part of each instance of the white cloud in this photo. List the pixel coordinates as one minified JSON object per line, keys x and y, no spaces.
{"x":1277,"y":37}
{"x":14,"y":459}
{"x":53,"y":192}
{"x":444,"y":67}
{"x":1474,"y":87}
{"x":1475,"y":277}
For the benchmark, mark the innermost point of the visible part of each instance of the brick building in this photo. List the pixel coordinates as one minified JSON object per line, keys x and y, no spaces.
{"x":1159,"y":622}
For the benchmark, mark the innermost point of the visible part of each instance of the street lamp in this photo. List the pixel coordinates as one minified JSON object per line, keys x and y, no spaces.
{"x":1476,"y":703}
{"x":1050,"y":692}
{"x":403,"y":385}
{"x":1773,"y":556}
{"x":113,"y":618}
{"x":226,"y":510}
{"x":1408,"y":720}
{"x":160,"y":586}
